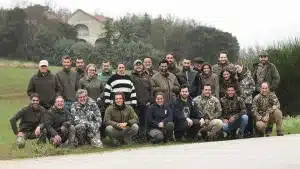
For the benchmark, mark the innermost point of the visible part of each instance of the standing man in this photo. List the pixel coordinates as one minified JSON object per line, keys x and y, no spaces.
{"x":198,"y":62}
{"x":31,"y":124}
{"x":265,"y":71}
{"x":144,"y":95}
{"x":187,"y":116}
{"x":165,"y":82}
{"x":266,"y":109}
{"x":212,"y":111}
{"x":68,"y":81}
{"x":191,"y":78}
{"x":172,"y":67}
{"x":223,"y":64}
{"x":45,"y":84}
{"x":234,"y":113}
{"x":106,"y":72}
{"x":149,"y":71}
{"x":80,"y":66}
{"x":120,"y":82}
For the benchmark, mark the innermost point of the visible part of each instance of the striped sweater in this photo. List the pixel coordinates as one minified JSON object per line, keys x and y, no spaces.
{"x":120,"y":83}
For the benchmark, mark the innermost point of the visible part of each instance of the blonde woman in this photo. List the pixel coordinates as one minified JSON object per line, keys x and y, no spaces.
{"x":90,"y":83}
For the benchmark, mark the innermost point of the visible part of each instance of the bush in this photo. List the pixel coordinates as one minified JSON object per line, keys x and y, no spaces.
{"x":285,"y":55}
{"x":61,"y":47}
{"x":83,"y":50}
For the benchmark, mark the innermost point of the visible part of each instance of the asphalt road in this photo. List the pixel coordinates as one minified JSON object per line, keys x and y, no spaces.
{"x":258,"y":153}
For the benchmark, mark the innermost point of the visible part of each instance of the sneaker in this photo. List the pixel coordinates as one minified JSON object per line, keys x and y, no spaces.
{"x":97,"y":143}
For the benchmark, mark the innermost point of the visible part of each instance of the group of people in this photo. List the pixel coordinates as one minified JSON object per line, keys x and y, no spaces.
{"x":196,"y":102}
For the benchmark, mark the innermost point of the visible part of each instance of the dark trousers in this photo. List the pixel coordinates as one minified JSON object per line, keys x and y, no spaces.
{"x":141,"y":113}
{"x":182,"y":129}
{"x":250,"y":125}
{"x":103,"y":126}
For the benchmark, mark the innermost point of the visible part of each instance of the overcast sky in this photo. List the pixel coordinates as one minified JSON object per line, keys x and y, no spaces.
{"x":251,"y":21}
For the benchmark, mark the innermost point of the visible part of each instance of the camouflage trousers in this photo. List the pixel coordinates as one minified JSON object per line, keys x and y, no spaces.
{"x":122,"y":134}
{"x":274,"y":117}
{"x":164,"y":134}
{"x":87,"y":135}
{"x":21,"y":140}
{"x":212,"y":128}
{"x":67,"y":135}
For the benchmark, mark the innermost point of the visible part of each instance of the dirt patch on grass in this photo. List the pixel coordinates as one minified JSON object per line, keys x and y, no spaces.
{"x":17,"y":64}
{"x":13,"y":96}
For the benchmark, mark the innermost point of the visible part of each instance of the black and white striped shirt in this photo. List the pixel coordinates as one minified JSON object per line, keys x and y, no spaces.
{"x":120,"y":83}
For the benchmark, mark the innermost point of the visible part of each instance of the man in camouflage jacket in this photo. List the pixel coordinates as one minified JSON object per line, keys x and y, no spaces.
{"x":87,"y":119}
{"x":266,"y":109}
{"x":233,"y":113}
{"x":265,"y":71}
{"x":212,"y":111}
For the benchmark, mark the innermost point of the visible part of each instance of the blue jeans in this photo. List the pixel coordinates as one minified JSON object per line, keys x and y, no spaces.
{"x":68,"y":105}
{"x":240,"y":123}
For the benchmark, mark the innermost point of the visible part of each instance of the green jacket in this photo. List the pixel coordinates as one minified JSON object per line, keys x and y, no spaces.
{"x":168,"y":84}
{"x":69,"y":83}
{"x":103,"y":77}
{"x":114,"y":115}
{"x":94,"y":87}
{"x":272,"y":76}
{"x":29,"y":118}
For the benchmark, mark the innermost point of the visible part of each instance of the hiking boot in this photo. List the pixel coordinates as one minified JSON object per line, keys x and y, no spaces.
{"x":279,"y":133}
{"x":240,"y":135}
{"x":116,"y":143}
{"x":128,"y":140}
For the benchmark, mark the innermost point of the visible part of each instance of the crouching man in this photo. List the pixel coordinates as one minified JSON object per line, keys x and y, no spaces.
{"x":188,"y":117}
{"x":121,"y":121}
{"x":212,"y":111}
{"x":234,"y":113}
{"x":87,"y":120}
{"x":266,"y":108}
{"x":58,"y":124}
{"x":160,"y":120}
{"x":31,"y":124}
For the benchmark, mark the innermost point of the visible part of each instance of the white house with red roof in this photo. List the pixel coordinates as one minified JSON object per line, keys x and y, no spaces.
{"x":90,"y":28}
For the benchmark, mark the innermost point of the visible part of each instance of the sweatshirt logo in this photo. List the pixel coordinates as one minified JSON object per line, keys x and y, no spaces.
{"x":165,"y":111}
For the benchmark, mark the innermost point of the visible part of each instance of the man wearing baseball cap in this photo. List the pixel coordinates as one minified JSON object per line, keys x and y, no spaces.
{"x":265,"y":71}
{"x":144,"y":93}
{"x":45,"y":84}
{"x":197,"y":63}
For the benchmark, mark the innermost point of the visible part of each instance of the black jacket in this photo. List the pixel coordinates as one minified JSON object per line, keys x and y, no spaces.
{"x":143,"y":88}
{"x":157,"y":114}
{"x":47,"y":86}
{"x":195,"y":112}
{"x":192,"y":79}
{"x":56,"y":118}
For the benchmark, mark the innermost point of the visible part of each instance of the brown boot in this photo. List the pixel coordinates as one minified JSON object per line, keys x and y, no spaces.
{"x":279,"y":133}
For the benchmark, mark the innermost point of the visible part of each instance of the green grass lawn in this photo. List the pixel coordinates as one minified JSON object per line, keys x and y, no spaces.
{"x":13,"y":86}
